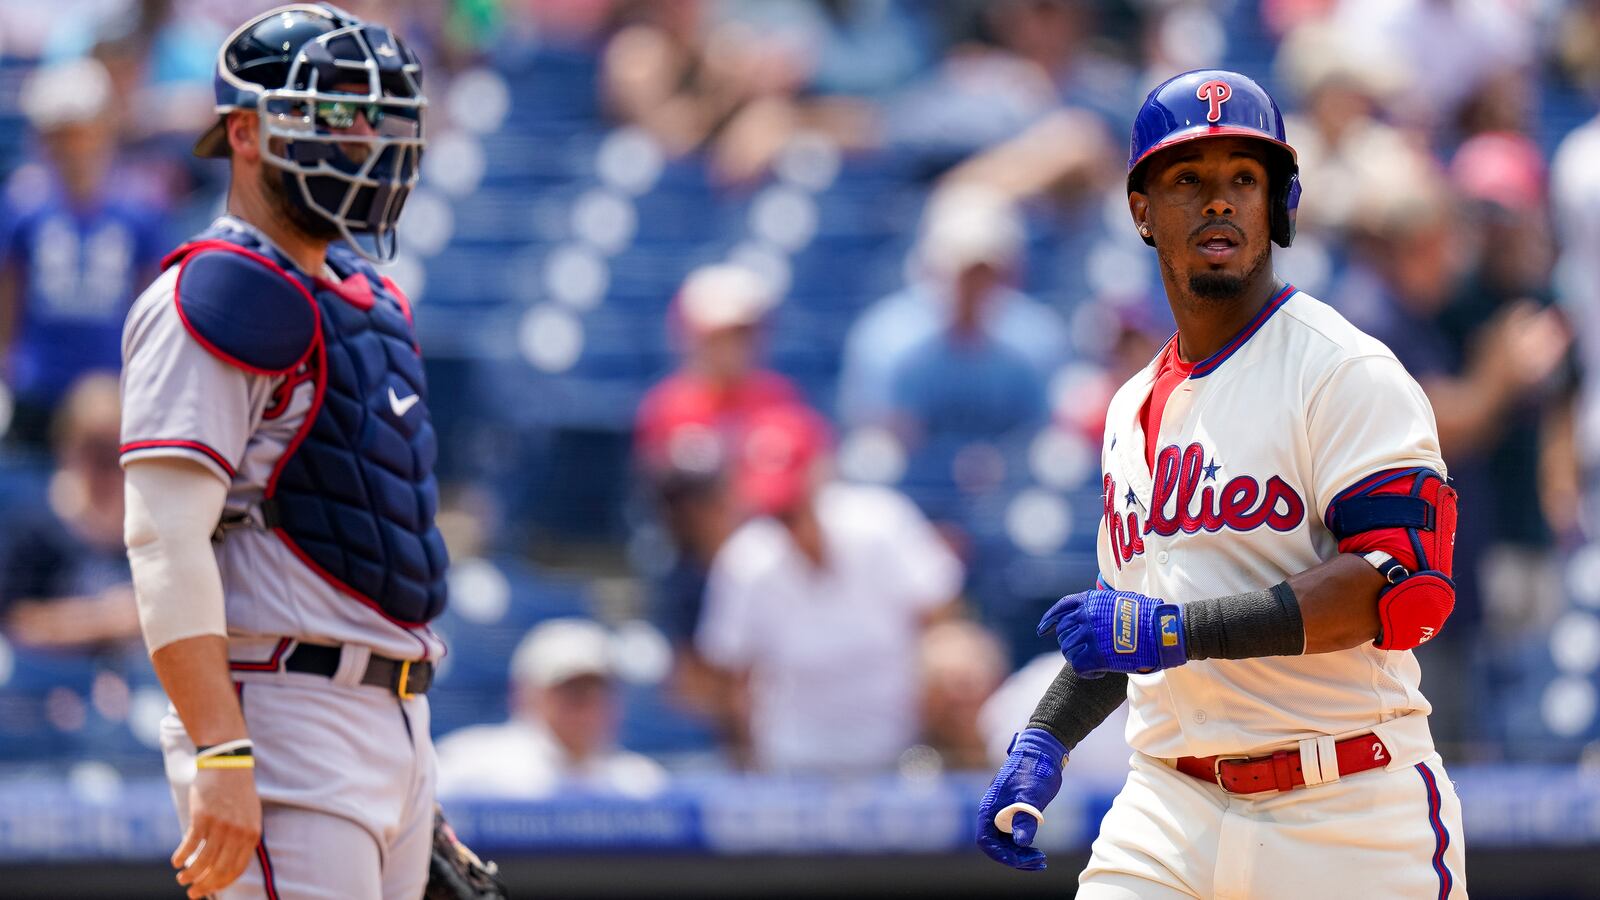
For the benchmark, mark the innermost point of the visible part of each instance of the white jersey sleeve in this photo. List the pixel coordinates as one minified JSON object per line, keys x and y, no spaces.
{"x":177,"y":398}
{"x":1369,"y":415}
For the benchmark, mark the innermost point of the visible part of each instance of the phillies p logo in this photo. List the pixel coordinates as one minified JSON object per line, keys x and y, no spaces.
{"x":1216,"y":93}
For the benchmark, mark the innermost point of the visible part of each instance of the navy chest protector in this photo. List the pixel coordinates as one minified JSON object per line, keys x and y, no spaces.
{"x":354,"y":495}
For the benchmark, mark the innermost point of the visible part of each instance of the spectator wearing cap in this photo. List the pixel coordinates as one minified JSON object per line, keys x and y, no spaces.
{"x":64,"y":579}
{"x":959,"y":350}
{"x":816,"y":608}
{"x":561,"y":736}
{"x":75,"y":249}
{"x":687,"y":423}
{"x":716,"y":320}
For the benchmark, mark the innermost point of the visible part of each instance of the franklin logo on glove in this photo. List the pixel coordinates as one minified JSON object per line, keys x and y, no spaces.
{"x":1127,"y":619}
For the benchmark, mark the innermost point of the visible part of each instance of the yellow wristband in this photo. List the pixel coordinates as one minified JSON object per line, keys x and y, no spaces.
{"x":225,"y":762}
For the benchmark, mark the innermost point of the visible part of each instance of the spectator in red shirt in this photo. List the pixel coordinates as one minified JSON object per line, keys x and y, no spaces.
{"x":686,"y":429}
{"x":717,"y":319}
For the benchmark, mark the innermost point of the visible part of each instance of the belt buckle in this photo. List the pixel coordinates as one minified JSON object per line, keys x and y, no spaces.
{"x":404,"y":681}
{"x":1216,"y":769}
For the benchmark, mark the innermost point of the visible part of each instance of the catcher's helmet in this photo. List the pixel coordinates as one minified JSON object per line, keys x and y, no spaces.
{"x":1218,"y":103}
{"x":314,"y":73}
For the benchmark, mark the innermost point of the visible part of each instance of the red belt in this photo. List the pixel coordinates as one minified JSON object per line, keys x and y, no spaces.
{"x":1280,"y":771}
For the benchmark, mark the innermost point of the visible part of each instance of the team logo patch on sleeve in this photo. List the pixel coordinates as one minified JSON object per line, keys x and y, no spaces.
{"x":1169,"y":630}
{"x":1127,"y":639}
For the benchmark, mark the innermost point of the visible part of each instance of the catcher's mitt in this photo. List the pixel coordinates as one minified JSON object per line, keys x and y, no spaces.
{"x":455,"y":872}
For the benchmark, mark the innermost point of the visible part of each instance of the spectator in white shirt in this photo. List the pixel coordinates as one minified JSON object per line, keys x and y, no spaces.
{"x":561,"y":736}
{"x":816,"y":607}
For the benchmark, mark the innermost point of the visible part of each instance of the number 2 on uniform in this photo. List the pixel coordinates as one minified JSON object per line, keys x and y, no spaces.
{"x":1377,"y":750}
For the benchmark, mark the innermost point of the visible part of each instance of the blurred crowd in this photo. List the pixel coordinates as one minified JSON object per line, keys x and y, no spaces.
{"x":822,"y":590}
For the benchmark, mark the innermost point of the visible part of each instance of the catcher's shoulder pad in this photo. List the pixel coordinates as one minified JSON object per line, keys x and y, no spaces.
{"x":245,"y":309}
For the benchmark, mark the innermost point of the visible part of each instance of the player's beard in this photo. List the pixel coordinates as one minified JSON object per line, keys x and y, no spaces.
{"x":304,"y":220}
{"x":1223,"y":286}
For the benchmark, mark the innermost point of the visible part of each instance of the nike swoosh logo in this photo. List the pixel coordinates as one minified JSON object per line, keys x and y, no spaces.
{"x":402,"y":405}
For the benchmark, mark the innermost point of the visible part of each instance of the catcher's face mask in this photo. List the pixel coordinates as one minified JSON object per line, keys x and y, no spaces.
{"x":347,"y":133}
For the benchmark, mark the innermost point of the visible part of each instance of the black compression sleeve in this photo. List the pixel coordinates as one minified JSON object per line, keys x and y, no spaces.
{"x":1245,"y":626}
{"x":1074,"y":706}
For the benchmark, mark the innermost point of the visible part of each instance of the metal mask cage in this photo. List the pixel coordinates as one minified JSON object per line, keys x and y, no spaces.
{"x":314,"y":156}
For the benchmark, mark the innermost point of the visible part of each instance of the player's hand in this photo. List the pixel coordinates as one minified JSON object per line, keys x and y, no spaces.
{"x":224,"y":828}
{"x":1104,"y":631}
{"x":1013,"y":808}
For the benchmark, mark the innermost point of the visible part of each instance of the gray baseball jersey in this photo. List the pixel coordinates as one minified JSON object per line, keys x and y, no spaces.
{"x":179,"y":400}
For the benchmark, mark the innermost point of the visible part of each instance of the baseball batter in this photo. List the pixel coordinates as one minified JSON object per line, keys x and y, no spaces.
{"x":278,"y":459}
{"x":1276,"y":542}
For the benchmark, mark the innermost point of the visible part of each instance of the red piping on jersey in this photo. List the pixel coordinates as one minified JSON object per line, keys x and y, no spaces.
{"x":1209,"y":364}
{"x":210,"y":452}
{"x":188,"y":252}
{"x":270,"y":664}
{"x":268,"y":879}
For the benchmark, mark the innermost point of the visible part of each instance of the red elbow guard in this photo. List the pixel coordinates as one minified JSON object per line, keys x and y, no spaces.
{"x":1413,"y":608}
{"x":1412,"y":612}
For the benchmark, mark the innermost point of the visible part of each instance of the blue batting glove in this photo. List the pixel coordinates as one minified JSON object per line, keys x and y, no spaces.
{"x":1104,"y":631}
{"x":1013,"y":807}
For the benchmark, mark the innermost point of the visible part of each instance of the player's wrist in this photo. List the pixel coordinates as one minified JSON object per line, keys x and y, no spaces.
{"x":1040,"y":741}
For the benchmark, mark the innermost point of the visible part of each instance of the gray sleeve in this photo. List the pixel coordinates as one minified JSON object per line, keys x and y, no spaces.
{"x":1074,"y":706}
{"x":178,"y":400}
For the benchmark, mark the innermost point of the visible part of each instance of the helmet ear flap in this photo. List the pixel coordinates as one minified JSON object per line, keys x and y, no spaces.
{"x":1285,"y":201}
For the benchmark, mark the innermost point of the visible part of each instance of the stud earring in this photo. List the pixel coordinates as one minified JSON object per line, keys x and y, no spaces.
{"x":1144,"y":230}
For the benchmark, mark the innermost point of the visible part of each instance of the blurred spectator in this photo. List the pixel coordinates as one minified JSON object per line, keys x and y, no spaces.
{"x":962,"y":665}
{"x":716,"y":320}
{"x":1577,"y":43}
{"x":1339,"y":132}
{"x":983,"y":91}
{"x":64,"y":579}
{"x":856,"y":47}
{"x":1450,"y":48}
{"x":816,"y":609}
{"x":561,"y":737}
{"x":76,"y":249}
{"x":160,"y":62}
{"x":1575,"y":193}
{"x":693,"y":81}
{"x":1068,"y":156}
{"x":959,"y":352}
{"x":688,"y":423}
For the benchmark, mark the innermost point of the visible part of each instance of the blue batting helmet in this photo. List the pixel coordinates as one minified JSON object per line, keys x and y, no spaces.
{"x":1218,"y":103}
{"x":314,"y":73}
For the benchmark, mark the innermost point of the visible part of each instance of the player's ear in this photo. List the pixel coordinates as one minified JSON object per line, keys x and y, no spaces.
{"x":243,"y":135}
{"x":1139,"y":207}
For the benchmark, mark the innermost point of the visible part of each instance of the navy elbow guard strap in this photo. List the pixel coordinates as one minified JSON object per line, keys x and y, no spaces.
{"x":1413,"y":606}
